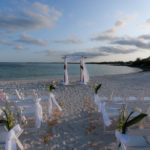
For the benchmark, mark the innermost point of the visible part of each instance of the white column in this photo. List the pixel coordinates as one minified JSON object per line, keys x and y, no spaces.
{"x":86,"y":74}
{"x":65,"y":72}
{"x":82,"y":71}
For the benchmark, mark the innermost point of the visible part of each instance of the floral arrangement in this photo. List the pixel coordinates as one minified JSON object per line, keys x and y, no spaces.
{"x":8,"y":119}
{"x":97,"y":87}
{"x":51,"y":86}
{"x":124,"y":121}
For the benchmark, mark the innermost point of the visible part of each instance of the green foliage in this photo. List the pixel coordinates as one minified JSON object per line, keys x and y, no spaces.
{"x":121,"y":120}
{"x":97,"y":87}
{"x":141,"y":62}
{"x":125,"y":122}
{"x":133,"y":121}
{"x":9,"y":121}
{"x":51,"y":87}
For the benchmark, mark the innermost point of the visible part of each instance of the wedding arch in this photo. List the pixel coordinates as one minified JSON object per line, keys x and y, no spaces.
{"x":84,"y":75}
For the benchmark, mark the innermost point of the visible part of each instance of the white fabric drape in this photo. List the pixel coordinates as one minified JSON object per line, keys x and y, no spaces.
{"x":38,"y":113}
{"x":12,"y":138}
{"x":51,"y":101}
{"x":97,"y":102}
{"x":101,"y":108}
{"x":11,"y":141}
{"x":66,"y":81}
{"x":106,"y":119}
{"x":84,"y":72}
{"x":122,"y":138}
{"x":74,"y":58}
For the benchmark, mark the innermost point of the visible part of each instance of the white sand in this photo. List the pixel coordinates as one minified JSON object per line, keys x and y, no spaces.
{"x":80,"y":126}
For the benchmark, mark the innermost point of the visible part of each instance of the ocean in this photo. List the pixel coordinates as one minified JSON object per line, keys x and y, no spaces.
{"x":25,"y":71}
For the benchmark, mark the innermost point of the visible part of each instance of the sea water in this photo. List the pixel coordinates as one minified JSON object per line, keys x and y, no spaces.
{"x":23,"y":71}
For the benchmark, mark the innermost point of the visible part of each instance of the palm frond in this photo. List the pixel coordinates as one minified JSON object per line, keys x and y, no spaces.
{"x":97,"y":87}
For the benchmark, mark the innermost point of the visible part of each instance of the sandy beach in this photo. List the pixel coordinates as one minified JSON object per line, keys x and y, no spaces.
{"x":79,"y":126}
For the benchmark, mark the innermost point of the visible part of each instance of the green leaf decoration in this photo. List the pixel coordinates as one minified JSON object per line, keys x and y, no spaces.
{"x":136,"y":119}
{"x":97,"y":87}
{"x":51,"y":87}
{"x":9,"y":122}
{"x":133,"y":121}
{"x":3,"y":121}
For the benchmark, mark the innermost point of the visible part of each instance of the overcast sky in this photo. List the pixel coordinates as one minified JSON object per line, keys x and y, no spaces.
{"x":46,"y":30}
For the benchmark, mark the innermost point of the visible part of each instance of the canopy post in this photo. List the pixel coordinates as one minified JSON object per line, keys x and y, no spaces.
{"x":65,"y":72}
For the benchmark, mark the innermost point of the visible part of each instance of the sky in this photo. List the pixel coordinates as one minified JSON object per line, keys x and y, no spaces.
{"x":47,"y":30}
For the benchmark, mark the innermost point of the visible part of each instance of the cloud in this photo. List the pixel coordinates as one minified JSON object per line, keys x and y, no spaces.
{"x":54,"y":52}
{"x":87,"y":54}
{"x":110,"y":34}
{"x":116,"y":50}
{"x":28,"y":39}
{"x":139,"y":43}
{"x":92,"y":52}
{"x":18,"y":47}
{"x":105,"y":37}
{"x":70,"y":40}
{"x":145,"y":37}
{"x":145,"y":25}
{"x":4,"y":42}
{"x":83,"y":52}
{"x":33,"y":17}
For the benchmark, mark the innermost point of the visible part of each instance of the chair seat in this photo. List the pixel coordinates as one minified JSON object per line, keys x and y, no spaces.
{"x":112,"y":112}
{"x":137,"y":141}
{"x":13,"y":98}
{"x":117,"y":99}
{"x":132,"y":99}
{"x":44,"y":98}
{"x":146,"y":99}
{"x":103,"y":98}
{"x":25,"y":104}
{"x":30,"y":97}
{"x":28,"y":112}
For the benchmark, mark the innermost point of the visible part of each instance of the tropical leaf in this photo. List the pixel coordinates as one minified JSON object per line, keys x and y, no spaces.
{"x":3,"y":121}
{"x":136,"y":119}
{"x":133,"y":121}
{"x":97,"y":87}
{"x":9,"y":122}
{"x":51,"y":87}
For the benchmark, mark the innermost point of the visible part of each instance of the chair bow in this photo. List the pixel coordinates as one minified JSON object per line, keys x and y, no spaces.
{"x":121,"y":139}
{"x":106,"y":119}
{"x":52,"y":99}
{"x":12,"y":139}
{"x":38,"y":113}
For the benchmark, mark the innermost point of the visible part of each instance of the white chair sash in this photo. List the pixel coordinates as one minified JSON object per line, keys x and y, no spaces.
{"x":12,"y":139}
{"x":38,"y":113}
{"x":106,"y":119}
{"x":97,"y":102}
{"x":122,"y":139}
{"x":53,"y":100}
